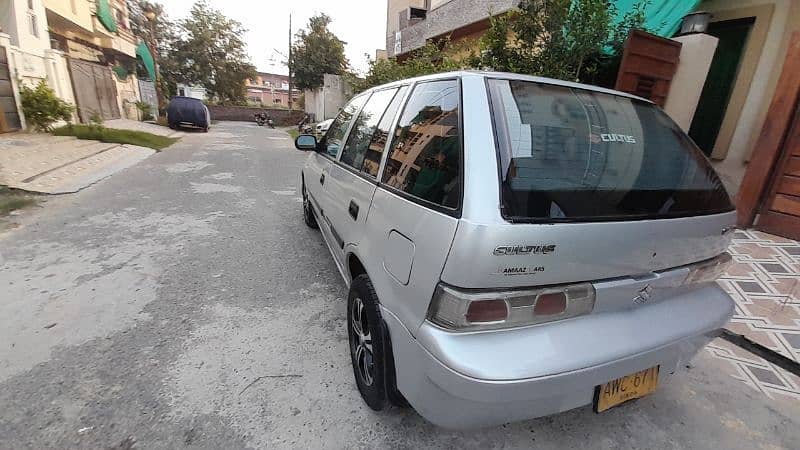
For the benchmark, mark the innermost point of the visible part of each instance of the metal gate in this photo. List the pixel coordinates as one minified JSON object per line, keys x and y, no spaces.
{"x":147,"y":92}
{"x":95,"y":91}
{"x":9,"y":116}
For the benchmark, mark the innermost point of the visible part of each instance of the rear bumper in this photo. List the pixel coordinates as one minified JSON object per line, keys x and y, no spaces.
{"x":479,"y":379}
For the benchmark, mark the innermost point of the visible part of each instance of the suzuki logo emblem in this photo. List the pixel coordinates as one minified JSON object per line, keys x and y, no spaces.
{"x":643,"y":296}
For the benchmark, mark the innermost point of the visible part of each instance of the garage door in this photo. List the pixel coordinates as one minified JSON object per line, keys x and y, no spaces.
{"x":95,"y":91}
{"x":9,"y":116}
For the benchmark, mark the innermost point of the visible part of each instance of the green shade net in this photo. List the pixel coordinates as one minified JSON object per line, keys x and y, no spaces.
{"x":147,"y":58}
{"x":662,"y":17}
{"x":121,"y":72}
{"x":105,"y":16}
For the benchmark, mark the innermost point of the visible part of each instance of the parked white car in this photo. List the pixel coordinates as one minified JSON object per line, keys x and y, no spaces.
{"x":322,"y":127}
{"x":516,"y":246}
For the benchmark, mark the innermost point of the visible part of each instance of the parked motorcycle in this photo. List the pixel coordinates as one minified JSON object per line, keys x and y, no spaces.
{"x":304,"y":126}
{"x":263,"y":118}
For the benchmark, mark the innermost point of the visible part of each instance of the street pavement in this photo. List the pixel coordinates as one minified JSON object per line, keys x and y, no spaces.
{"x":182,"y":303}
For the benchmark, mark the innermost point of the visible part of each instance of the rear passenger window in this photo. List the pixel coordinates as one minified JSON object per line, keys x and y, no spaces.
{"x":425,"y":157}
{"x":332,"y":141}
{"x":367,"y":122}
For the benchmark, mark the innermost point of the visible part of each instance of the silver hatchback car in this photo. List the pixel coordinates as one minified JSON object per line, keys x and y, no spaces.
{"x":516,"y":246}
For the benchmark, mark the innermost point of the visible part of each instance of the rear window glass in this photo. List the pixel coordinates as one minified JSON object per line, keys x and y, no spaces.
{"x":572,"y":155}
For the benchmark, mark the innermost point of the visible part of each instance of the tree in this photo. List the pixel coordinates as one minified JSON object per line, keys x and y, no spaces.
{"x":210,"y":52}
{"x":573,"y":40}
{"x":316,"y":51}
{"x":166,"y":33}
{"x":431,"y":58}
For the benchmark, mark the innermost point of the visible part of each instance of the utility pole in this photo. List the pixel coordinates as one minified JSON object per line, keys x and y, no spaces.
{"x":289,"y":63}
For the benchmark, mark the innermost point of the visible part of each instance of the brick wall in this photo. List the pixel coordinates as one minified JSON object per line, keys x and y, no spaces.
{"x":282,"y":117}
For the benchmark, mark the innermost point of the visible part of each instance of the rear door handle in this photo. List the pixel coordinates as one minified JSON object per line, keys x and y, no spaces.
{"x":322,"y":179}
{"x":353,"y":210}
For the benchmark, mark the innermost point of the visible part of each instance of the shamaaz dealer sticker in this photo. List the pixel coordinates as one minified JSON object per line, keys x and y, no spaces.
{"x":519,"y":270}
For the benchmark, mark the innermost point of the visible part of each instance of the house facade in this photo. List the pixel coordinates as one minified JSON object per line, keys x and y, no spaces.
{"x":83,"y":49}
{"x":26,"y":57}
{"x":753,"y":47}
{"x":270,"y":89}
{"x":96,"y":36}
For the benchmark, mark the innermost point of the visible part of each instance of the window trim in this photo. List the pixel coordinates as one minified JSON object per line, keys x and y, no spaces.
{"x":391,"y":128}
{"x":33,"y":24}
{"x":335,"y":158}
{"x":353,"y":170}
{"x":453,"y":212}
{"x":550,"y":220}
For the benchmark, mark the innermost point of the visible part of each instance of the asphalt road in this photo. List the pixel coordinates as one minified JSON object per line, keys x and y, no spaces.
{"x":182,"y":303}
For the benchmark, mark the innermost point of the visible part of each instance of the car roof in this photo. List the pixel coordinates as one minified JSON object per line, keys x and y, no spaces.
{"x":508,"y":76}
{"x":182,"y":98}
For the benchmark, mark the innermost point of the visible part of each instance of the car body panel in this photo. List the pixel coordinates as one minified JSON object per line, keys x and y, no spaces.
{"x":349,"y":196}
{"x":429,"y":232}
{"x":581,"y":251}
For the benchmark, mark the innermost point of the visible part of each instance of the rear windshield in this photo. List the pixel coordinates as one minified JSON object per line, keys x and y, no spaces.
{"x":575,"y":155}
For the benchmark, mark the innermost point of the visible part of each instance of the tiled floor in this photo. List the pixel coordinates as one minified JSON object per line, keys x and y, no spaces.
{"x":764,"y":280}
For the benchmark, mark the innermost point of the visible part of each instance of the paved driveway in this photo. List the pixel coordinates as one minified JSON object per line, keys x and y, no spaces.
{"x":182,"y":303}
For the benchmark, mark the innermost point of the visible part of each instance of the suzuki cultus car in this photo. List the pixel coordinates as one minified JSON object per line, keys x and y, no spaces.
{"x":516,"y":246}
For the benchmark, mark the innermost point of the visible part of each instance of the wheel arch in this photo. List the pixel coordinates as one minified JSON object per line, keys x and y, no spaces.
{"x":355,"y":267}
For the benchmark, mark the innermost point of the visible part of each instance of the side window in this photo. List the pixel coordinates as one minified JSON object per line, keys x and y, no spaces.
{"x":332,"y":141}
{"x":425,"y":156}
{"x":361,"y":137}
{"x":372,"y":159}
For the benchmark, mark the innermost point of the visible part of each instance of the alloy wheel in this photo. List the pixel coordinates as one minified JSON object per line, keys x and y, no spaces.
{"x":361,"y":342}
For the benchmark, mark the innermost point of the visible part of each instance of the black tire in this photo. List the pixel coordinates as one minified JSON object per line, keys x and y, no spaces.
{"x":365,"y":336}
{"x":308,"y":212}
{"x":205,"y":130}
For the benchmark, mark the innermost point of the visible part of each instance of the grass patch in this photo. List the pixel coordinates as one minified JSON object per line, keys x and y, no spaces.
{"x":293,"y":133}
{"x":113,"y":135}
{"x":11,"y":199}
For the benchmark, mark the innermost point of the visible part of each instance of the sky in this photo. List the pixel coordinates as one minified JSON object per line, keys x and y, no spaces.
{"x":361,"y":24}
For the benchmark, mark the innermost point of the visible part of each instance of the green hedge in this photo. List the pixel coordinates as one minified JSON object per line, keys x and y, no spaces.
{"x":113,"y":135}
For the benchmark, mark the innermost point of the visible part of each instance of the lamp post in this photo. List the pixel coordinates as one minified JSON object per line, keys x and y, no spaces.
{"x":151,"y":14}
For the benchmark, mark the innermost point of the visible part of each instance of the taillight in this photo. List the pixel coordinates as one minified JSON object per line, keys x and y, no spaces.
{"x":482,"y":311}
{"x":457,"y":309}
{"x":707,"y":271}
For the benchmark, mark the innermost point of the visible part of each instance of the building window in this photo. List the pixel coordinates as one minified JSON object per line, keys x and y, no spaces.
{"x":33,"y":24}
{"x":121,"y":18}
{"x":276,"y":101}
{"x":285,"y":85}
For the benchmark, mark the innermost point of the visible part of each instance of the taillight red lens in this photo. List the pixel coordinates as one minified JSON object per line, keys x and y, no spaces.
{"x":487,"y":311}
{"x":550,"y":304}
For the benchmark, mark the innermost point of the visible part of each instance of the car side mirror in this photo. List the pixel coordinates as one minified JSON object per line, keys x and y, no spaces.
{"x":306,"y":142}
